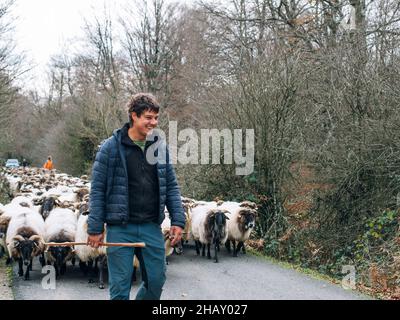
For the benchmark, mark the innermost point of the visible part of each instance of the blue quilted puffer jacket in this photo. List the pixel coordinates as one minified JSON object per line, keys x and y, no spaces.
{"x":109,"y":199}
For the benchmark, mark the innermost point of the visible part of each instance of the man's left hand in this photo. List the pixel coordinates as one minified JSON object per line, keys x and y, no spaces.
{"x":175,"y":235}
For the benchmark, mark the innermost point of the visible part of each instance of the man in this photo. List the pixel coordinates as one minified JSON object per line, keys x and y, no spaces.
{"x":48,"y":164}
{"x":129,"y":194}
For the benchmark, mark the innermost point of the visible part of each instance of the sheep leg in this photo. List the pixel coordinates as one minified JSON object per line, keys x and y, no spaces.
{"x":96,"y":268}
{"x":101,"y":279}
{"x":84,"y":268}
{"x":208,"y":250}
{"x":57,"y":272}
{"x":196,"y":242}
{"x":20,"y":270}
{"x":203,"y":250}
{"x":235,"y":250}
{"x":228,"y":245}
{"x":90,"y":270}
{"x":42,"y":260}
{"x":63,"y":268}
{"x":240,"y":246}
{"x":243,"y":248}
{"x":8,"y":261}
{"x":73,"y":261}
{"x":28,"y":268}
{"x":215,"y":251}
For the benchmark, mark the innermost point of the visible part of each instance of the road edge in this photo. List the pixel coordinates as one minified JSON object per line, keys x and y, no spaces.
{"x":311,"y":273}
{"x":6,"y":281}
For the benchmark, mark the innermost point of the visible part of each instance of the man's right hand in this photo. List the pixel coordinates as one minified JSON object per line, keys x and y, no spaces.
{"x":95,"y":239}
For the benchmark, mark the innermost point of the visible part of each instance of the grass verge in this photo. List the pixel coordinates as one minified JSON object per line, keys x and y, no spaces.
{"x":6,"y":281}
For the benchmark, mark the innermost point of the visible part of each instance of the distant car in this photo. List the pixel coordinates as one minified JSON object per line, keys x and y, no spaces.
{"x":12,"y":163}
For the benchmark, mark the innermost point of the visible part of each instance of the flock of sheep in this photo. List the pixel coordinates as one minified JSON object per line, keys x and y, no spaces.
{"x":53,"y":207}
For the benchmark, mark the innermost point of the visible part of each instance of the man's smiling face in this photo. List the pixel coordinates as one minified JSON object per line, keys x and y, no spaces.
{"x":145,"y":124}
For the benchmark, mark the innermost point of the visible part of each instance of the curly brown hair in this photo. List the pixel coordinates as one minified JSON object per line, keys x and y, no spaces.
{"x":141,"y":102}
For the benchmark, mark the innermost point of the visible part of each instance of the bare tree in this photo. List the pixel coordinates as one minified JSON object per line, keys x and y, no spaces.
{"x":11,"y":67}
{"x":151,"y":47}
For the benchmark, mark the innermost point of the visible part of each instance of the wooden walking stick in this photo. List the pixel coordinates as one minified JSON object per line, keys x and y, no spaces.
{"x":106,"y":244}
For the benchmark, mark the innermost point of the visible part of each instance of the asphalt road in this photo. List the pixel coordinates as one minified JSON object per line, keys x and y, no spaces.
{"x":192,"y":277}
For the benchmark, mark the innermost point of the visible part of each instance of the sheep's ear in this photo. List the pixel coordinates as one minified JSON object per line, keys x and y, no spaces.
{"x":226,"y":214}
{"x":36,"y":239}
{"x":253,"y":212}
{"x":17,"y":240}
{"x":39,"y":246}
{"x":5,"y":220}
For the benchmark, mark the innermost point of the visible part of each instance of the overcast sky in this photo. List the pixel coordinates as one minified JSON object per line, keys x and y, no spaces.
{"x":45,"y":27}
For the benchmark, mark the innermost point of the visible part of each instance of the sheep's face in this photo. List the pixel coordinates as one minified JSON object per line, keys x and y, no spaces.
{"x":82,"y":193}
{"x":47,"y":206}
{"x":27,"y":249}
{"x":218,"y":223}
{"x":247,"y":218}
{"x":84,"y":209}
{"x":60,"y":254}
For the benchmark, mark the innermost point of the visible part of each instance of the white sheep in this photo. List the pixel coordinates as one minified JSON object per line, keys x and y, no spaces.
{"x":63,"y":194}
{"x":209,"y":227}
{"x":13,"y":181}
{"x":24,"y":201}
{"x":242,"y":217}
{"x":7,"y":212}
{"x":60,"y":227}
{"x":88,"y":254}
{"x":24,"y":239}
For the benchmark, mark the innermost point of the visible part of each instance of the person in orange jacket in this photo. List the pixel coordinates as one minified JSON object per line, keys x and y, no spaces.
{"x":49,"y":164}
